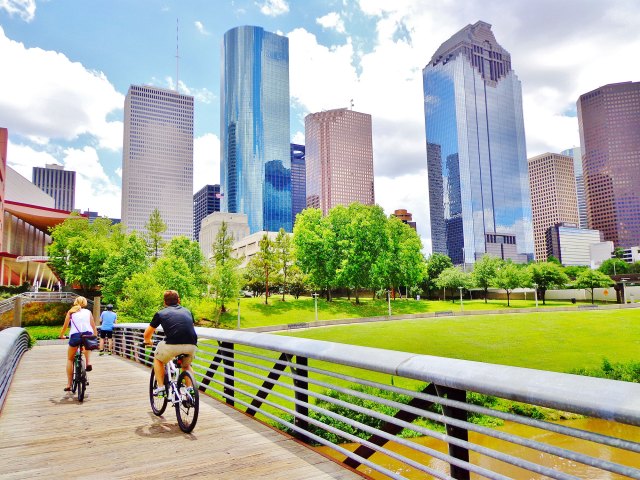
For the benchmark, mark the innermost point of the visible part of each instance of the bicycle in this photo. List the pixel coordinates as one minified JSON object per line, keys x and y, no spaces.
{"x":181,"y":390}
{"x":79,"y":380}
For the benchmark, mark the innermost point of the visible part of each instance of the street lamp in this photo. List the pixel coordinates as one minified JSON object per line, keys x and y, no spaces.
{"x":315,"y":299}
{"x":238,"y":313}
{"x":624,"y":289}
{"x":389,"y":301}
{"x":535,"y":292}
{"x":461,"y":303}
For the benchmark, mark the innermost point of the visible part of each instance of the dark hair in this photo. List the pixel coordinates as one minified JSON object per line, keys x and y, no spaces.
{"x":171,"y":297}
{"x":109,"y":307}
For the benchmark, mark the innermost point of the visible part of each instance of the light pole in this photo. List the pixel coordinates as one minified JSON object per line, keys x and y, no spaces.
{"x":461,"y":302}
{"x":535,"y":292}
{"x":315,"y":300}
{"x":624,"y":290}
{"x":389,"y":301}
{"x":238,"y":313}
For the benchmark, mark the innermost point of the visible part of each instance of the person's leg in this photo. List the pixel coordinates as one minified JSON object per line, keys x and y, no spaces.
{"x":101,"y":347}
{"x":158,"y":368}
{"x":110,"y":337}
{"x":70,"y":353}
{"x":87,"y":362}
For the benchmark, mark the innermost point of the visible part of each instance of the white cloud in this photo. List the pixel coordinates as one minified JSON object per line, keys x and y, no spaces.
{"x":206,"y":161}
{"x":298,"y":138}
{"x":25,"y":9}
{"x":332,"y":20}
{"x":202,"y":95}
{"x":273,"y":8}
{"x":200,"y":28}
{"x":55,"y":98}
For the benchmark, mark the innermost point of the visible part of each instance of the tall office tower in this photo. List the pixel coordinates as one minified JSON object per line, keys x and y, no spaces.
{"x":576,"y":154}
{"x":298,"y":181}
{"x":54,"y":180}
{"x":609,"y":121}
{"x":255,"y":163}
{"x":405,"y":217}
{"x":553,"y":196}
{"x":4,"y":141}
{"x":205,"y":202}
{"x":157,"y":160}
{"x":476,"y":143}
{"x":339,"y":159}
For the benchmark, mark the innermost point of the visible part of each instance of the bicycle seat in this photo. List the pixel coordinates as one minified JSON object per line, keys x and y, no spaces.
{"x":179,"y":358}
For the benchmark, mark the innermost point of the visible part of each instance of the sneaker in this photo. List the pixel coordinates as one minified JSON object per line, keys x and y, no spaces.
{"x":109,"y":352}
{"x":89,"y":368}
{"x":159,"y":392}
{"x":102,"y":352}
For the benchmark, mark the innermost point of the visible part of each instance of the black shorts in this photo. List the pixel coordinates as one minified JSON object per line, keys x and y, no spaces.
{"x":75,"y":339}
{"x":106,"y":333}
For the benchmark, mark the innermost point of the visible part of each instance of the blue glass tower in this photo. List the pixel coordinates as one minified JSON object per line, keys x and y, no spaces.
{"x":476,"y":154}
{"x":255,"y":164}
{"x":298,"y":180}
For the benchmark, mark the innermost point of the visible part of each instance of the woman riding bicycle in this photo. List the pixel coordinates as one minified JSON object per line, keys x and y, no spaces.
{"x":81,"y":322}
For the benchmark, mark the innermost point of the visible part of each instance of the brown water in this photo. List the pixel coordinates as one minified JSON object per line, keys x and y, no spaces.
{"x":573,"y":468}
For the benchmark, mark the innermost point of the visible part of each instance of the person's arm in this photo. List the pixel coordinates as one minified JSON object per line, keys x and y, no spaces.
{"x":65,"y":325}
{"x":148,"y":334}
{"x":93,"y":324}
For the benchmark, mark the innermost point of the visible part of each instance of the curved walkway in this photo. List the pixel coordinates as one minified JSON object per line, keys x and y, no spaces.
{"x":45,"y":432}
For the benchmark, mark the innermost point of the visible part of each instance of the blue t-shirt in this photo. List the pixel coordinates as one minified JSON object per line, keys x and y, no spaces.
{"x":107,"y":319}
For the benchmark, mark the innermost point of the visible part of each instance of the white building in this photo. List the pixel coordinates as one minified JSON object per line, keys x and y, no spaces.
{"x":599,"y":252}
{"x":157,"y":160}
{"x":571,"y":244}
{"x":54,"y":180}
{"x":19,"y":189}
{"x":237,"y":228}
{"x":247,"y":247}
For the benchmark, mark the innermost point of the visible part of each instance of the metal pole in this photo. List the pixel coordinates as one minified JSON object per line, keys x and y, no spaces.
{"x":461,"y":302}
{"x":315,"y":299}
{"x":535,"y":292}
{"x":389,"y":300}
{"x":238,"y":313}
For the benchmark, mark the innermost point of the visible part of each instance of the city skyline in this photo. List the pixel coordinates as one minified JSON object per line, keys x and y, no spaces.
{"x":339,"y":51}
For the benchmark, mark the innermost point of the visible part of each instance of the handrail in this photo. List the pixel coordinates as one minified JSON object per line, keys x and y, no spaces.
{"x":48,"y":297}
{"x":14,"y":342}
{"x":286,"y":381}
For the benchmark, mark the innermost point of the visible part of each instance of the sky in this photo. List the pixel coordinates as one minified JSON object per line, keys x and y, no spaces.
{"x":66,"y":66}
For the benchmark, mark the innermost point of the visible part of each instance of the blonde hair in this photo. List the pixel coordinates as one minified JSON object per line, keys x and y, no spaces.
{"x":78,"y":304}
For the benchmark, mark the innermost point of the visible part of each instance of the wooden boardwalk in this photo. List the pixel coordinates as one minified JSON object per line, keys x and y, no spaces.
{"x":45,"y":432}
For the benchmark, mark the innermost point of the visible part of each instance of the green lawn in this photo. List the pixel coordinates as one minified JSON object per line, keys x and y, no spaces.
{"x":558,"y":341}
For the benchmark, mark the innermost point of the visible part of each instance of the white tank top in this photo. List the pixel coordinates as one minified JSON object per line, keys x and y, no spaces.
{"x":81,"y":322}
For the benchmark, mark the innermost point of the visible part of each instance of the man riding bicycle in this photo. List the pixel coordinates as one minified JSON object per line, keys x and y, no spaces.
{"x":180,"y":336}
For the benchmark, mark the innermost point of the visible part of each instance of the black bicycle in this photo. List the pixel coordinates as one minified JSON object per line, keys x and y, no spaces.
{"x":181,"y":390}
{"x":79,"y":376}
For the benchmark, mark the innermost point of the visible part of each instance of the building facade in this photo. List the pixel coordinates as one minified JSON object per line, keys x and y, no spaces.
{"x":405,"y":217}
{"x":255,"y":163}
{"x":157,"y":160}
{"x":476,"y":154}
{"x":298,"y":181}
{"x":609,"y":121}
{"x":205,"y":202}
{"x":57,"y":182}
{"x":339,"y":157}
{"x":576,"y":154}
{"x":571,"y":244}
{"x":553,"y":197}
{"x":4,"y":142}
{"x":237,"y":228}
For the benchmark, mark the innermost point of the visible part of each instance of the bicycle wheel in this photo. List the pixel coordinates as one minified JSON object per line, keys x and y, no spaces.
{"x":158,"y":404}
{"x":189,"y":405}
{"x":75,"y":376}
{"x":82,"y":380}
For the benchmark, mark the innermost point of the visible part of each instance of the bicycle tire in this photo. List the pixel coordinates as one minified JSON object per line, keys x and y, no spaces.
{"x":158,"y":404}
{"x":188,"y":407}
{"x":75,"y":377}
{"x":82,"y":380}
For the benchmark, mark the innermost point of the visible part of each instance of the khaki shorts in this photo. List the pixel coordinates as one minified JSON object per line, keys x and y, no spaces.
{"x":165,"y":352}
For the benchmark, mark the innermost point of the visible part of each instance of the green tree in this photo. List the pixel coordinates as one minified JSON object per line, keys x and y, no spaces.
{"x":364,"y":242}
{"x":546,"y":275}
{"x":484,"y":272}
{"x":614,"y":266}
{"x":553,"y":259}
{"x":142,"y":297}
{"x":509,"y":277}
{"x":453,"y":278}
{"x":634,"y":267}
{"x":618,"y":252}
{"x":436,"y":264}
{"x":154,"y":229}
{"x":129,"y":258}
{"x":298,"y":281}
{"x":79,"y":250}
{"x":573,"y":271}
{"x":283,"y":258}
{"x":173,"y":274}
{"x":188,"y":250}
{"x":592,"y":279}
{"x":265,"y":260}
{"x":224,"y":278}
{"x":253,"y":275}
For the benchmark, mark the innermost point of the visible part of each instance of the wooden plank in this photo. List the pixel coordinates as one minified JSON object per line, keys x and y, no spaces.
{"x":45,"y":432}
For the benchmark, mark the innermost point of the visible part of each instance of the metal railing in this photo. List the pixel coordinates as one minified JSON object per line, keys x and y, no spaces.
{"x":365,"y":405}
{"x":13,"y":343}
{"x":42,"y":297}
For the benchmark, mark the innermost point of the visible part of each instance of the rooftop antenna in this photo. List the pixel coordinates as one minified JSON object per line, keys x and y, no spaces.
{"x":177,"y":60}
{"x":351,"y":102}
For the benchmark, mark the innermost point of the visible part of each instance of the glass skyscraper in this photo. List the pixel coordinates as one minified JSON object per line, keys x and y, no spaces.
{"x":476,"y":153}
{"x":255,"y":165}
{"x":54,"y":180}
{"x":298,"y":180}
{"x":205,"y":202}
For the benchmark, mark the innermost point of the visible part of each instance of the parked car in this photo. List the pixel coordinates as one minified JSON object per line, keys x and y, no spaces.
{"x":246,"y":293}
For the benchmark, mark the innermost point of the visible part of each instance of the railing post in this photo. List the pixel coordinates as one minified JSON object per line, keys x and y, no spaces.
{"x":96,"y":309}
{"x":455,"y":451}
{"x":227,"y":360}
{"x":302,"y":410}
{"x":17,"y":312}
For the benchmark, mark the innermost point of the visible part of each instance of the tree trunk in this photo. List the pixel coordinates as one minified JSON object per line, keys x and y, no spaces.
{"x":508,"y":299}
{"x":266,"y":289}
{"x":357,"y":297}
{"x":543,"y":291}
{"x":486,"y":294}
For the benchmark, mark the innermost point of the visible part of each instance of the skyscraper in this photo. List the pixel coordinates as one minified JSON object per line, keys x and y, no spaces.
{"x":576,"y":154}
{"x":609,"y":121}
{"x":298,"y":181}
{"x":339,"y":155}
{"x":476,"y":145}
{"x":205,"y":202}
{"x":157,"y":159}
{"x":255,"y":164}
{"x":553,"y":196}
{"x":54,"y":180}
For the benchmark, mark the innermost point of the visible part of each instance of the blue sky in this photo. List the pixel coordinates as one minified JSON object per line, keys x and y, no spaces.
{"x":67,"y":65}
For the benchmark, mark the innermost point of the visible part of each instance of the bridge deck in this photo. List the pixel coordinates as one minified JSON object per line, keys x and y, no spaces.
{"x":45,"y":432}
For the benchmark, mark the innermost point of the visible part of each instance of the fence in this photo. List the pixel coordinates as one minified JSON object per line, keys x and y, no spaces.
{"x":15,"y":303}
{"x":363,"y":405}
{"x":13,"y":343}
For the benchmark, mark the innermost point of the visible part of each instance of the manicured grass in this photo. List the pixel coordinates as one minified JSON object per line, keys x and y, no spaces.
{"x":557,"y":341}
{"x":44,"y":332}
{"x":254,"y":313}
